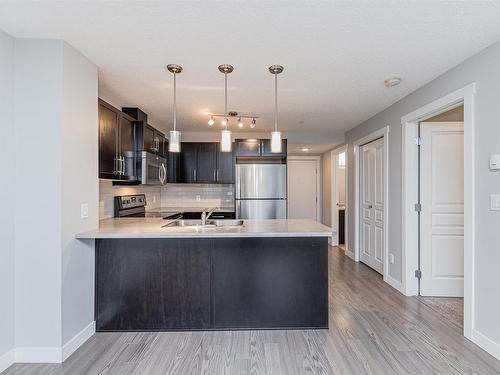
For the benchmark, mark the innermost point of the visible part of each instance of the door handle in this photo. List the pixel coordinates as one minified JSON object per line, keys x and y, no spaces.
{"x":370,"y":206}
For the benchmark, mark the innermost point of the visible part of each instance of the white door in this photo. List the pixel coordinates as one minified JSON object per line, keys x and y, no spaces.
{"x":302,"y":188}
{"x":372,"y":204}
{"x":442,"y":216}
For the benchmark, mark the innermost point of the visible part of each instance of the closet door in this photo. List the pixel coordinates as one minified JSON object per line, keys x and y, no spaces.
{"x":372,"y":204}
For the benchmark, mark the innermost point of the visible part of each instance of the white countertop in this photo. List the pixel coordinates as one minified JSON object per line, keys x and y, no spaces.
{"x":152,"y":228}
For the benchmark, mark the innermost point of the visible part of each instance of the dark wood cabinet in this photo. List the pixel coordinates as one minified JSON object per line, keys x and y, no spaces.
{"x":265,"y":148}
{"x":188,"y":159}
{"x":206,"y":163}
{"x":247,"y":147}
{"x":117,"y":157}
{"x":162,"y":143}
{"x":201,"y":163}
{"x":225,"y":167}
{"x":258,"y":148}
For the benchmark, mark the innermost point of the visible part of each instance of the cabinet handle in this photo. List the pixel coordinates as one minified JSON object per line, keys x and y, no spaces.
{"x":115,"y":165}
{"x":217,"y":175}
{"x":194,"y":175}
{"x":122,"y":165}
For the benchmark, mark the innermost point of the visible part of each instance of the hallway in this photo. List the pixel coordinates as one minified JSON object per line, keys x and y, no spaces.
{"x":373,"y":330}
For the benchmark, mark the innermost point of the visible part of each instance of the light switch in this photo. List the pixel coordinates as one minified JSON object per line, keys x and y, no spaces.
{"x":198,"y":198}
{"x":495,"y":202}
{"x":84,"y":210}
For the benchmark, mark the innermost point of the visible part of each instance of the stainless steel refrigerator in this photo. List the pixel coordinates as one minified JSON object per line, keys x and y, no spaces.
{"x":261,"y":191}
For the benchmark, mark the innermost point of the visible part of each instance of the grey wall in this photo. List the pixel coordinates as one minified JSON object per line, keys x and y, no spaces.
{"x":7,"y":190}
{"x":482,"y":69}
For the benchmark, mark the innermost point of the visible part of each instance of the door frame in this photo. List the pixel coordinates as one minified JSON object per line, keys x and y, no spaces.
{"x":380,"y":133}
{"x":334,"y":198}
{"x":318,"y":181}
{"x":409,"y":122}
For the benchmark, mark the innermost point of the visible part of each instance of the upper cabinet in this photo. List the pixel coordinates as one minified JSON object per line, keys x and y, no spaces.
{"x":117,"y":158}
{"x":201,"y":163}
{"x":258,"y":148}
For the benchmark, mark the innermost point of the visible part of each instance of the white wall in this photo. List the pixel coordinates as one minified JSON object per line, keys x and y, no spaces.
{"x":326,"y":188}
{"x":79,"y":184}
{"x":38,"y":94}
{"x":482,"y":69}
{"x":7,"y":192}
{"x":50,"y":147}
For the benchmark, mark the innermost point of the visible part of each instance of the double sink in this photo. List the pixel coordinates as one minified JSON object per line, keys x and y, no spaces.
{"x":208,"y":224}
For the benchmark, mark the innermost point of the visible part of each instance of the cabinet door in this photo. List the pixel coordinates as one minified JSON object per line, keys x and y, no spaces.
{"x":127,"y":149}
{"x":149,"y":139}
{"x":247,"y":147}
{"x":188,"y":162}
{"x":206,"y":166}
{"x":109,"y":119}
{"x":266,"y":148}
{"x":225,"y":167}
{"x":173,"y":172}
{"x":162,"y":143}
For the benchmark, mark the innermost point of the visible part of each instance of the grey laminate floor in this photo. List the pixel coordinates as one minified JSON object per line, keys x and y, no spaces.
{"x":373,"y":330}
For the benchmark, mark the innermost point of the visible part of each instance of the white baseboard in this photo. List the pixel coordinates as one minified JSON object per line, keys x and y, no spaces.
{"x":398,"y":285}
{"x":47,"y":354}
{"x":484,"y":342}
{"x":78,"y":340}
{"x":349,"y":253}
{"x":7,"y":360}
{"x":33,"y":354}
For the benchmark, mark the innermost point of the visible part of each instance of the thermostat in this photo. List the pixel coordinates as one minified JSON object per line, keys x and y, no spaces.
{"x":495,"y":162}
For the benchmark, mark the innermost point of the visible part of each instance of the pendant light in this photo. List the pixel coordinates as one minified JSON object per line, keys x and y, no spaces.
{"x":174,"y":144}
{"x":225,"y":137}
{"x":275,"y":135}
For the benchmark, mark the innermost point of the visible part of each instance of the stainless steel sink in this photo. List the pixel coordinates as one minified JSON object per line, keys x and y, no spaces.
{"x":209,"y":224}
{"x":226,"y":223}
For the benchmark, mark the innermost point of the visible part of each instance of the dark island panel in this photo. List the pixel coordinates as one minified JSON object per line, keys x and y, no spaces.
{"x":270,"y":283}
{"x":211,"y":283}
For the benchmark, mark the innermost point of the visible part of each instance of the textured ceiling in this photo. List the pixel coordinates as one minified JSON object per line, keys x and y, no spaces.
{"x":336,"y":54}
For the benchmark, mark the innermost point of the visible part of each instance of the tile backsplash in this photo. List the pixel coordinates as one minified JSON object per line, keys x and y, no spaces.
{"x":170,"y":195}
{"x":198,"y":195}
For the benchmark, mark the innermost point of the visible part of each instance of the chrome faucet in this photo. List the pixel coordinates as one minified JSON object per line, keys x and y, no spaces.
{"x":205,"y":214}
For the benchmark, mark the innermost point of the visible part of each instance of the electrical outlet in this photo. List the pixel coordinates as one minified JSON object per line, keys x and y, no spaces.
{"x":391,"y":258}
{"x":198,"y":198}
{"x":495,"y":202}
{"x":229,"y":193}
{"x":84,"y":210}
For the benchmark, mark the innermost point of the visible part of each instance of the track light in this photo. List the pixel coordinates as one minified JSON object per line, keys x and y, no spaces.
{"x":240,"y":123}
{"x":211,"y":121}
{"x":224,"y":122}
{"x":253,"y":123}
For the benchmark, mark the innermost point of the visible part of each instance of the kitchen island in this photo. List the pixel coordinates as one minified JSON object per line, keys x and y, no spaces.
{"x":266,"y":274}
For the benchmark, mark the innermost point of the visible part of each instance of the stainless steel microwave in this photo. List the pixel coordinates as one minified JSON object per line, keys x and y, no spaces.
{"x":153,"y":169}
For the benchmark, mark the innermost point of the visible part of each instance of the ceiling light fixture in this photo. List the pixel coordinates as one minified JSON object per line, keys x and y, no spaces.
{"x":391,"y":82}
{"x":305,"y":149}
{"x":211,"y":121}
{"x":230,"y":115}
{"x":174,"y":144}
{"x":275,"y":135}
{"x":225,"y":138}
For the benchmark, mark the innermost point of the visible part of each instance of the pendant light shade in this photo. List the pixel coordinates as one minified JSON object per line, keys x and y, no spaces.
{"x":275,"y":135}
{"x":225,"y":136}
{"x":174,"y":144}
{"x":276,"y":142}
{"x":225,"y":141}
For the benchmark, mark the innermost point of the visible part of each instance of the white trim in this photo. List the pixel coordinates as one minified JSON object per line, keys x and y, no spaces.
{"x":334,"y":194}
{"x":78,"y":340}
{"x":410,"y":122}
{"x":398,"y":285}
{"x":38,"y":354}
{"x":7,"y":360}
{"x":318,"y":181}
{"x":486,"y":343}
{"x":381,"y":133}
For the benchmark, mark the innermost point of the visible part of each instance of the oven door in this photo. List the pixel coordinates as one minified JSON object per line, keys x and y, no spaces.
{"x":153,"y":169}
